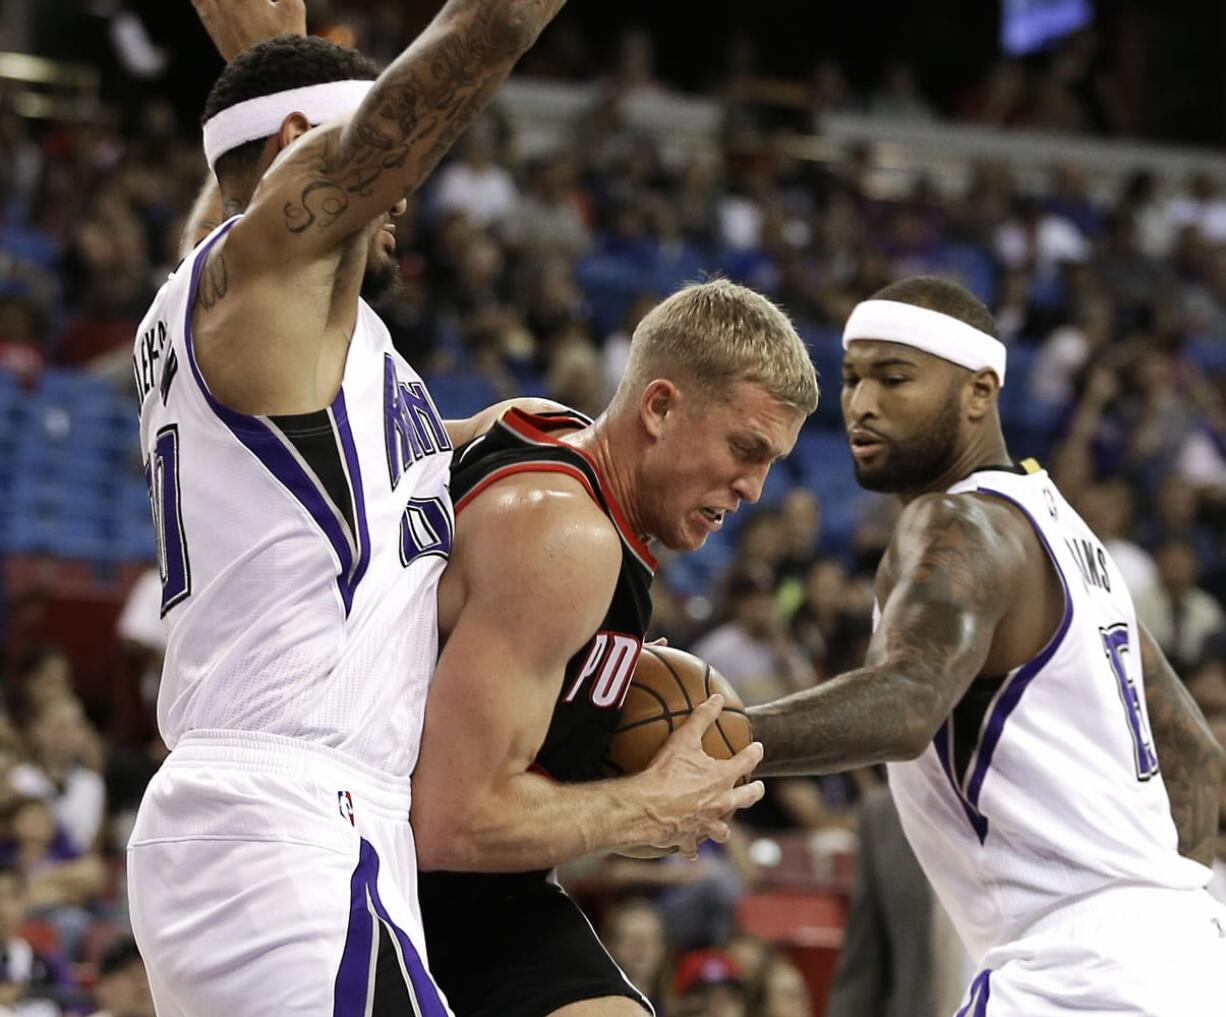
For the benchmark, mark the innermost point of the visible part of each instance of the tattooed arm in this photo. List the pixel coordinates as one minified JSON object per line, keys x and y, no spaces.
{"x":945,"y":582}
{"x":339,"y":177}
{"x":1192,"y":761}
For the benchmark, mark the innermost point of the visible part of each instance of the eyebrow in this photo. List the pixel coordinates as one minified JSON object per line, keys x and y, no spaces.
{"x":761,"y":446}
{"x":885,"y":362}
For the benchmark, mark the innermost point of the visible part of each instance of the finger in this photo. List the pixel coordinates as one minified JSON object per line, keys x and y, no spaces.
{"x":747,"y":794}
{"x":747,"y":760}
{"x":701,"y":719}
{"x":719,"y":831}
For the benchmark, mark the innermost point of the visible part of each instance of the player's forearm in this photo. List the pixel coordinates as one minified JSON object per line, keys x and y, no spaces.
{"x":872,"y":715}
{"x":531,"y":822}
{"x":1190,"y":758}
{"x":416,"y":109}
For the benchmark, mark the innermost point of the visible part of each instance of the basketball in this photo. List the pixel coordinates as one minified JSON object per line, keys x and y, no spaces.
{"x":666,"y":687}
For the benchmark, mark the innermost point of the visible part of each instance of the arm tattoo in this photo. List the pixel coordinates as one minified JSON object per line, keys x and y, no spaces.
{"x":1190,"y":757}
{"x":945,"y":584}
{"x":214,"y":282}
{"x":419,"y":106}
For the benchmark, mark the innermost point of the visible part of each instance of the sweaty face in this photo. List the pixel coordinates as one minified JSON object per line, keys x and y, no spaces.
{"x":903,"y":413}
{"x":710,"y":455}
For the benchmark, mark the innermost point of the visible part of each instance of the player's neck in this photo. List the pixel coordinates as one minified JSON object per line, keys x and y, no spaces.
{"x":608,"y":450}
{"x":988,"y":449}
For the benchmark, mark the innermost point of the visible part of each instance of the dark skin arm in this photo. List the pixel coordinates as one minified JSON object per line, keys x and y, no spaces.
{"x":947,"y":579}
{"x":1191,"y":759}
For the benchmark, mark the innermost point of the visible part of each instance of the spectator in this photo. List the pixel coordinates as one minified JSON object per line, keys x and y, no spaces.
{"x":1108,"y":509}
{"x":1178,"y":614}
{"x":753,"y":649}
{"x":122,"y":989}
{"x":75,"y":793}
{"x":786,"y":994}
{"x":708,"y":984}
{"x":634,"y":934}
{"x":474,"y":182}
{"x":31,"y":981}
{"x":61,"y":882}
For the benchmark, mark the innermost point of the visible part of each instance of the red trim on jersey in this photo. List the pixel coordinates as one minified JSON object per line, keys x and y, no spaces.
{"x":540,"y":466}
{"x":533,"y":427}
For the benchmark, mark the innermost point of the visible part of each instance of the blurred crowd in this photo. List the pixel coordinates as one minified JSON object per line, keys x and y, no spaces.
{"x":528,"y":276}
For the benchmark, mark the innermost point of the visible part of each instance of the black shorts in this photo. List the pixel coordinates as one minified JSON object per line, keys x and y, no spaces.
{"x":513,"y":946}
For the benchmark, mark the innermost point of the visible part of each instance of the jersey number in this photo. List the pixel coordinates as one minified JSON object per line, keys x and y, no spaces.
{"x":425,"y":529}
{"x":162,"y":476}
{"x":1115,"y":645}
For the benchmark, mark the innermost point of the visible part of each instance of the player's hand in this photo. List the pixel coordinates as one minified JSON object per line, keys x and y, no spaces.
{"x":236,"y":25}
{"x":689,"y":796}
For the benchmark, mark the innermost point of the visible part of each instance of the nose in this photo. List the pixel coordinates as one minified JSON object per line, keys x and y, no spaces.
{"x":859,"y":400}
{"x":748,"y":486}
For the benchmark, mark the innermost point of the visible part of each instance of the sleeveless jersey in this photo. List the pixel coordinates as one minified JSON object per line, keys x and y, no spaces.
{"x":299,"y":555}
{"x":1043,"y":785}
{"x":598,"y":676}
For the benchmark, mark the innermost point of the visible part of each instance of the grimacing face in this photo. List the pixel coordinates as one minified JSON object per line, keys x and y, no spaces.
{"x":710,"y":455}
{"x":903,"y":412}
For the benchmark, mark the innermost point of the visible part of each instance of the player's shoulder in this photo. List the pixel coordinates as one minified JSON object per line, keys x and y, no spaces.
{"x":544,"y":517}
{"x":967,"y":522}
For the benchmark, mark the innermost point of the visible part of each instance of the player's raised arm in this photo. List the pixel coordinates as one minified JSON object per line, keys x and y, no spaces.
{"x":1191,"y":759}
{"x":338,"y":178}
{"x":235,"y":25}
{"x":945,"y":583}
{"x":535,"y":567}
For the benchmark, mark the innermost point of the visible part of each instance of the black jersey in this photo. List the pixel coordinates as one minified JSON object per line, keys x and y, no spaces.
{"x":598,"y":676}
{"x":504,"y":916}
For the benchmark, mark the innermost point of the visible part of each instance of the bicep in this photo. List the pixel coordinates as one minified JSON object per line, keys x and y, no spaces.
{"x":536,"y":591}
{"x":954,"y":583}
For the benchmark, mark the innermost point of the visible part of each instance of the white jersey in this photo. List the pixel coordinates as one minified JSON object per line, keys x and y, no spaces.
{"x":300,"y":556}
{"x":1043,"y":785}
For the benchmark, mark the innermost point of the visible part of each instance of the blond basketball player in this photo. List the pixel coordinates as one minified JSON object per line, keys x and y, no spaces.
{"x":1056,"y":780}
{"x":544,"y":607}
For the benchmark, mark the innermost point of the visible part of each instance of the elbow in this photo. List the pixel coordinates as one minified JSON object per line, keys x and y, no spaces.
{"x":438,"y":835}
{"x":922,"y":716}
{"x":519,"y":23}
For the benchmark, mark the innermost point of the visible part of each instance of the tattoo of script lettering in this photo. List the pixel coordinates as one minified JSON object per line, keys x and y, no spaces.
{"x":214,"y":282}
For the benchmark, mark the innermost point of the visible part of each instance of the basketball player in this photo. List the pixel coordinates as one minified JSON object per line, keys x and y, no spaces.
{"x":1057,"y":782}
{"x":298,"y":472}
{"x":543,"y":607}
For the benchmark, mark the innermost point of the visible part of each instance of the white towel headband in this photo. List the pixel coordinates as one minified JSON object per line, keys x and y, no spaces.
{"x":264,"y":115}
{"x":931,"y":331}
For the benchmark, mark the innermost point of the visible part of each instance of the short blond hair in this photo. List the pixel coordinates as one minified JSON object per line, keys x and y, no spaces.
{"x":718,"y":333}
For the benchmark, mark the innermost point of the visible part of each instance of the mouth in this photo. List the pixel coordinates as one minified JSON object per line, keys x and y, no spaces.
{"x":713,"y":516}
{"x":864,"y":444}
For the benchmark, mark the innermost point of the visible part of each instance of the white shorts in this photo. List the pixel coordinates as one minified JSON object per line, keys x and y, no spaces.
{"x":270,"y":876}
{"x":1131,"y":952}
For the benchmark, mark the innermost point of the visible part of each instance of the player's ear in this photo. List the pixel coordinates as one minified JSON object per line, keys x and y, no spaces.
{"x":979,"y":394}
{"x":658,"y":401}
{"x":293,"y":127}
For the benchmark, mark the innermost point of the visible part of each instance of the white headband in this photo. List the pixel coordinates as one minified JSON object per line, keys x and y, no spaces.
{"x":931,"y":331}
{"x":264,"y":115}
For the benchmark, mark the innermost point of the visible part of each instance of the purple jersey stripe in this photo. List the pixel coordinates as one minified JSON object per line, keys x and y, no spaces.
{"x":941,"y":743}
{"x":353,"y":975}
{"x":269,"y":449}
{"x":1011,"y":693}
{"x":977,"y":997}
